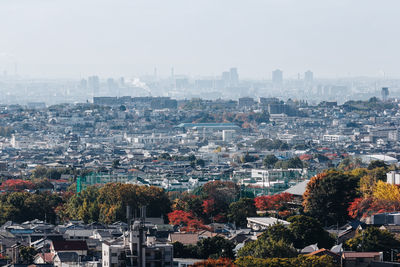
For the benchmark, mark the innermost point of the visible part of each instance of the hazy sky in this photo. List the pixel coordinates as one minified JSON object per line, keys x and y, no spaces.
{"x":73,"y":38}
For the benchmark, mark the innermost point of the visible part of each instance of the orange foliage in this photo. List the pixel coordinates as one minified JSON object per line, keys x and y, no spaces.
{"x":311,"y":186}
{"x":221,"y":262}
{"x":186,"y":220}
{"x":16,"y":185}
{"x":273,"y":202}
{"x":364,"y":207}
{"x":208,"y":206}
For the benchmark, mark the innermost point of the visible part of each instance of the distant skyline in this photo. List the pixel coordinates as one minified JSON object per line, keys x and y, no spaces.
{"x":112,"y":38}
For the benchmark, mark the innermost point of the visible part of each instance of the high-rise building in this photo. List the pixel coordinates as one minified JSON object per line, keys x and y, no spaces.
{"x":83,"y":84}
{"x":94,"y":85}
{"x":385,"y":93}
{"x":230,"y":78}
{"x":308,"y":76}
{"x":234,"y":77}
{"x":122,"y":81}
{"x":277,"y":76}
{"x":112,"y":86}
{"x":226,"y":78}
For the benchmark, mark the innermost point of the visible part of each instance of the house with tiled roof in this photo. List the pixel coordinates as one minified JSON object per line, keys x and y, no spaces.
{"x":78,"y":246}
{"x":323,"y":252}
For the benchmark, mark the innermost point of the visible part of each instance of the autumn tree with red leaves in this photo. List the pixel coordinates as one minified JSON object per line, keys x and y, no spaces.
{"x":16,"y":185}
{"x":273,"y":202}
{"x":217,"y":196}
{"x":186,"y":220}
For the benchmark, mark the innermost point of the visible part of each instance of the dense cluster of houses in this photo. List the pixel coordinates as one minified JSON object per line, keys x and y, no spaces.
{"x":180,"y":146}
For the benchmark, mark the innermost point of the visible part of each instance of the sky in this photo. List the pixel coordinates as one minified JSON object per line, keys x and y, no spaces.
{"x":112,"y":38}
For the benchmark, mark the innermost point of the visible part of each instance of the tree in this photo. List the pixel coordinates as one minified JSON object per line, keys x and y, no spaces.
{"x":377,"y":164}
{"x":273,"y":202}
{"x":367,"y":185}
{"x":215,"y":247}
{"x":292,"y":163}
{"x":278,"y":232}
{"x":248,"y":158}
{"x":300,"y":261}
{"x":373,"y":239}
{"x":191,"y":157}
{"x":276,"y":241}
{"x":221,"y":262}
{"x":295,"y":163}
{"x":116,"y":164}
{"x":269,"y":161}
{"x":364,"y":207}
{"x":240,"y":210}
{"x":164,"y":156}
{"x":23,"y":206}
{"x":385,"y":191}
{"x":185,"y":220}
{"x":268,"y":248}
{"x":349,"y":163}
{"x":184,"y":251}
{"x":200,"y":162}
{"x":307,"y":231}
{"x":108,"y":203}
{"x":328,"y":195}
{"x":16,"y":185}
{"x":217,"y":196}
{"x":270,"y":144}
{"x":27,"y":254}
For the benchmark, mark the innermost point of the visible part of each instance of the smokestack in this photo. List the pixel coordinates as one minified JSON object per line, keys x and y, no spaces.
{"x":128,"y":213}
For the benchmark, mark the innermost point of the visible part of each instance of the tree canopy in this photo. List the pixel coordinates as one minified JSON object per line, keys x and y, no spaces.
{"x":240,"y":210}
{"x":373,"y":239}
{"x":108,"y":203}
{"x":328,"y":195}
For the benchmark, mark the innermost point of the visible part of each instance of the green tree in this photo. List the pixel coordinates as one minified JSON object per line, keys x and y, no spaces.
{"x":185,"y":251}
{"x":23,"y":206}
{"x":328,"y":196}
{"x":240,"y":210}
{"x":248,"y":158}
{"x":215,"y":247}
{"x":27,"y":254}
{"x":108,"y":203}
{"x":377,"y":164}
{"x":373,"y":239}
{"x":268,"y":248}
{"x":164,"y":156}
{"x":269,"y":161}
{"x":39,"y":172}
{"x":116,"y":164}
{"x":191,"y":157}
{"x":270,"y":144}
{"x":200,"y":162}
{"x":295,"y":163}
{"x":292,"y":163}
{"x":307,"y":230}
{"x":276,"y":241}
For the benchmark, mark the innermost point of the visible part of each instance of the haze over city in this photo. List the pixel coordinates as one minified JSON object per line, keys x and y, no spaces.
{"x":192,"y":133}
{"x":75,"y":39}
